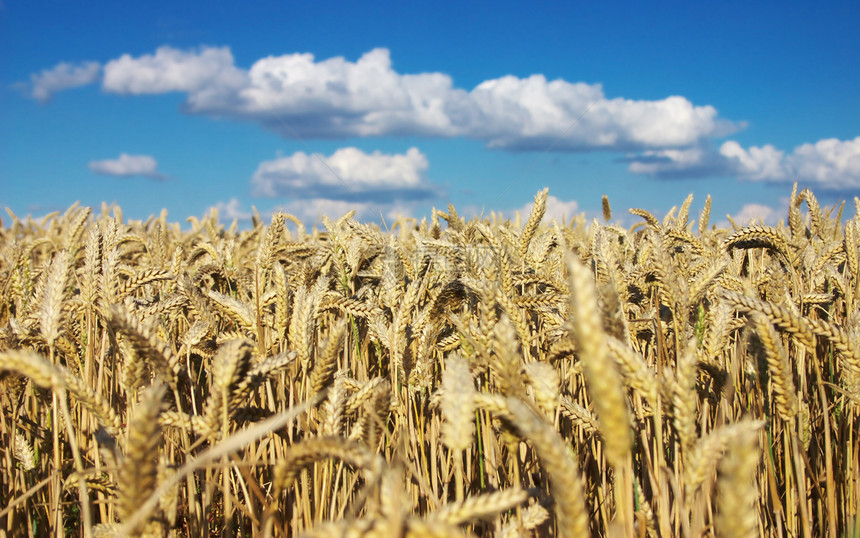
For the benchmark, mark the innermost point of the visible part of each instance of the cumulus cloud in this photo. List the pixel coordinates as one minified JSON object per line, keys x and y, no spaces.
{"x":127,"y":166}
{"x":374,"y":185}
{"x":296,"y":95}
{"x":829,"y":164}
{"x":203,"y":71}
{"x":533,"y":113}
{"x":752,"y":213}
{"x":756,"y":163}
{"x":63,"y":76}
{"x":232,"y":210}
{"x":349,"y":174}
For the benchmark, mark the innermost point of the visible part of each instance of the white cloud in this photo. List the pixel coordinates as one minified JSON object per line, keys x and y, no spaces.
{"x":198,"y":73}
{"x":697,"y":161}
{"x":348,"y":174}
{"x":231,"y":210}
{"x":128,"y":165}
{"x":337,"y":98}
{"x":63,"y":76}
{"x":829,"y":164}
{"x":757,"y":163}
{"x":533,"y":113}
{"x":751,"y":213}
{"x":296,"y":95}
{"x":556,"y":209}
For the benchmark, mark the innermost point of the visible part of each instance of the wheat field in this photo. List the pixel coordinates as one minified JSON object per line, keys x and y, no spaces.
{"x":446,"y":377}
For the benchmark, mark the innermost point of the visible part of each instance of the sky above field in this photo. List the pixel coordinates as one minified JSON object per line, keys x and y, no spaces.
{"x":397,"y":107}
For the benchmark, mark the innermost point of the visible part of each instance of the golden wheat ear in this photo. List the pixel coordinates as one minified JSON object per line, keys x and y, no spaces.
{"x":139,"y":470}
{"x":301,"y":455}
{"x":326,"y":364}
{"x":47,"y":376}
{"x":780,"y":370}
{"x":737,"y":515}
{"x":603,"y":380}
{"x":154,"y":353}
{"x":229,"y":367}
{"x":486,"y":506}
{"x":51,"y":309}
{"x":565,"y":480}
{"x":458,"y":425}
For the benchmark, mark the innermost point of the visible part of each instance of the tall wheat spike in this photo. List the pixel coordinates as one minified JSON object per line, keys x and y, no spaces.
{"x":229,"y":367}
{"x":704,"y":216}
{"x":531,"y":225}
{"x":565,"y":480}
{"x":780,"y":369}
{"x":139,"y":471}
{"x":301,"y":455}
{"x":710,"y":448}
{"x":51,"y":309}
{"x":458,"y":426}
{"x":736,"y":512}
{"x":604,"y":382}
{"x":607,"y":210}
{"x":483,"y":506}
{"x":506,"y":367}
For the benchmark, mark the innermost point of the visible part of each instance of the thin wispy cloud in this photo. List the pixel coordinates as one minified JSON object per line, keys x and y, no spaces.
{"x":128,"y":166}
{"x":63,"y":76}
{"x":693,"y":162}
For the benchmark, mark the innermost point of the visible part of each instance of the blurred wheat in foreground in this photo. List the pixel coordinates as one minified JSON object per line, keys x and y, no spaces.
{"x":449,"y":377}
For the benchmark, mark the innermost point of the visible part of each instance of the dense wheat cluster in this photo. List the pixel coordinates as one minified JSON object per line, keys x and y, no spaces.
{"x":448,"y":377}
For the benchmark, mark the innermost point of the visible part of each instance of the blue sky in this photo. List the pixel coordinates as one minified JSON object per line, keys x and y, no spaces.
{"x":320,"y":107}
